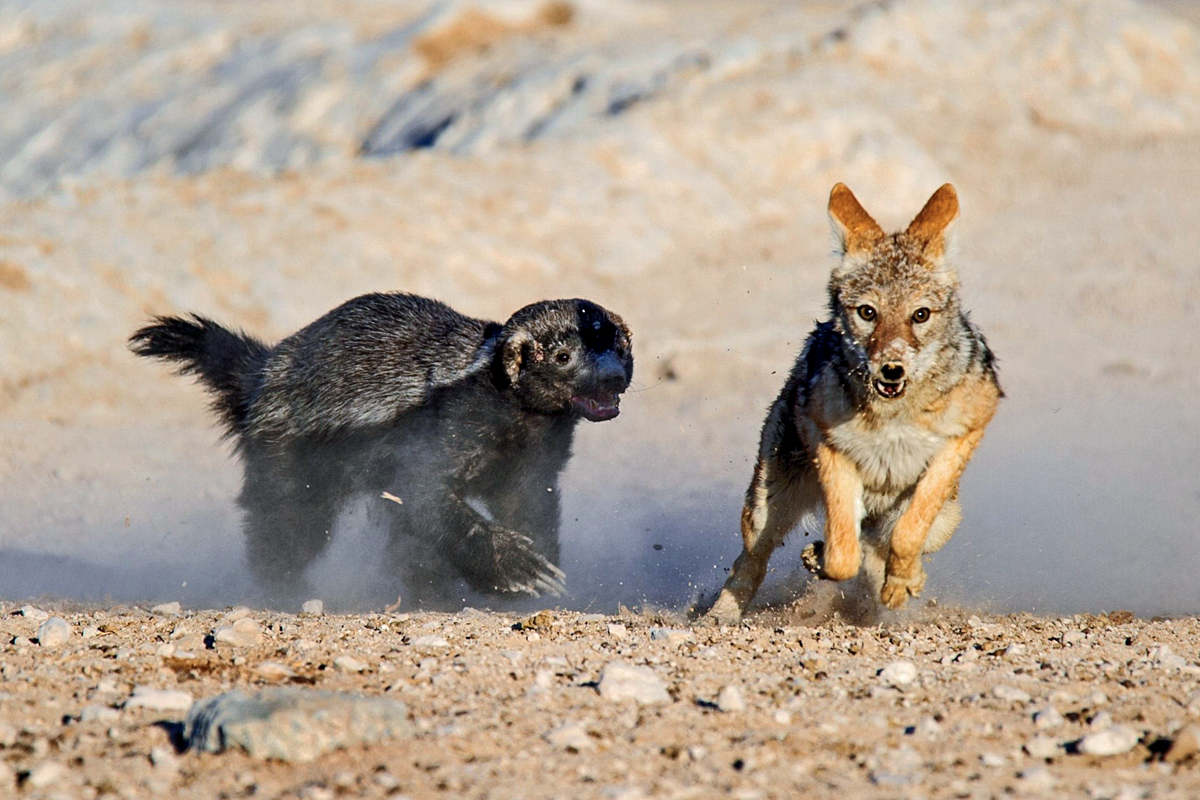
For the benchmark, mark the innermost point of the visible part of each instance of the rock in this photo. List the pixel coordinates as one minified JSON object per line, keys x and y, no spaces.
{"x":1186,"y":744}
{"x":314,"y":606}
{"x":234,"y":614}
{"x":244,"y":632}
{"x":1015,"y":650}
{"x":35,"y":614}
{"x":1165,"y":658}
{"x":782,"y":717}
{"x":730,"y":699}
{"x":1010,"y":694}
{"x":1073,"y":637}
{"x":102,"y":714}
{"x":430,"y":641}
{"x":1101,"y":721}
{"x":45,"y":774}
{"x":571,"y":737}
{"x":1047,"y":718}
{"x":1036,"y":780}
{"x":54,"y":632}
{"x":8,"y":735}
{"x":1042,"y":747}
{"x":89,"y":632}
{"x":21,"y":641}
{"x":898,"y":673}
{"x":165,"y":700}
{"x":992,"y":760}
{"x":348,"y":664}
{"x":619,"y":681}
{"x":672,"y":635}
{"x":292,"y":724}
{"x":617,"y":630}
{"x":273,"y":671}
{"x":1110,"y":742}
{"x":172,"y":609}
{"x":163,"y":758}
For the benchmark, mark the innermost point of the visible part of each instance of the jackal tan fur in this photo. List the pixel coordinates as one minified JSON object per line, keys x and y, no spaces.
{"x":879,"y":417}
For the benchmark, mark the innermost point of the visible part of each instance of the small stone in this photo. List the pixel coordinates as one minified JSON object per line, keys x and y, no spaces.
{"x":348,"y":664}
{"x":45,"y":774}
{"x":1036,"y":780}
{"x":1165,"y":658}
{"x":165,"y":700}
{"x":172,"y":609}
{"x":1042,"y":747}
{"x":1186,"y":744}
{"x":35,"y":614}
{"x":571,"y":737}
{"x":929,"y":728}
{"x":1073,"y":637}
{"x":273,"y":671}
{"x":1097,"y":698}
{"x":234,"y":614}
{"x":165,"y":650}
{"x":617,"y":630}
{"x":293,"y":725}
{"x":1047,"y":719}
{"x":1113,"y":741}
{"x":992,"y":760}
{"x":102,"y":714}
{"x":163,"y":758}
{"x":90,"y":632}
{"x":729,"y":699}
{"x":21,"y":641}
{"x":1015,"y":650}
{"x":315,"y":607}
{"x":430,"y":641}
{"x":54,"y":632}
{"x":671,"y":635}
{"x":898,"y":673}
{"x":619,"y":681}
{"x":1101,"y":721}
{"x":8,"y":735}
{"x":244,"y":632}
{"x":782,"y":717}
{"x":1010,"y":694}
{"x":315,"y":791}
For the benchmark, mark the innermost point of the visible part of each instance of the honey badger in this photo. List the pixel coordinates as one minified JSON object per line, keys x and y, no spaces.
{"x":401,"y":394}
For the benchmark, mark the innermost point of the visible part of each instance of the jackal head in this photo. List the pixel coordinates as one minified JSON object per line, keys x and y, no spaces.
{"x":894,"y":297}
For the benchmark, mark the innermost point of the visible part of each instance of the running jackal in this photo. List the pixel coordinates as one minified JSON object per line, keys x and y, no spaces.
{"x":879,"y":416}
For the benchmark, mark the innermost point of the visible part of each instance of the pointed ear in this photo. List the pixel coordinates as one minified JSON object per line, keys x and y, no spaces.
{"x":512,"y":353}
{"x":853,"y":228}
{"x":931,"y":228}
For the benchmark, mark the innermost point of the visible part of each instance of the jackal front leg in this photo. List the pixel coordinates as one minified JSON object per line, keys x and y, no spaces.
{"x":904,"y":576}
{"x":842,"y":488}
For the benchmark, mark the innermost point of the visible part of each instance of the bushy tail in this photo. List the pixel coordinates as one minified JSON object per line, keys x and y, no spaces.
{"x":229,"y":364}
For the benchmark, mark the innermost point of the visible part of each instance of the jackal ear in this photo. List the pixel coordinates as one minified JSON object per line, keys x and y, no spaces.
{"x":854,"y":231}
{"x":514,"y":349}
{"x":931,"y":228}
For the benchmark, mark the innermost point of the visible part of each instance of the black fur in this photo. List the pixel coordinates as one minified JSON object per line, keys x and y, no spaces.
{"x":401,"y":394}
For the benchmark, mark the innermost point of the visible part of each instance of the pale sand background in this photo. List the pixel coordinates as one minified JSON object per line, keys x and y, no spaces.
{"x":160,"y":157}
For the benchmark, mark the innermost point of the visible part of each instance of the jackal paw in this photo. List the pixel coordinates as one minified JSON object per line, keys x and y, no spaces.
{"x":816,"y":558}
{"x":811,"y":555}
{"x":896,"y":589}
{"x":725,"y":611}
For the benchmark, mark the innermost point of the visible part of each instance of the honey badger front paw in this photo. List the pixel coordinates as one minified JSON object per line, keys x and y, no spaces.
{"x":498,"y":560}
{"x":900,"y":584}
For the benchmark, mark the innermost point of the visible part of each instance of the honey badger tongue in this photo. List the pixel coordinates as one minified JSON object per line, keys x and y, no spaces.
{"x":597,"y":409}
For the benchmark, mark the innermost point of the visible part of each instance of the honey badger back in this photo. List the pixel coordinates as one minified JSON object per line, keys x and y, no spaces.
{"x":468,"y":422}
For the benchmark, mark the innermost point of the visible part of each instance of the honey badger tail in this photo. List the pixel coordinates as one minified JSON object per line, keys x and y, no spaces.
{"x":227,"y":363}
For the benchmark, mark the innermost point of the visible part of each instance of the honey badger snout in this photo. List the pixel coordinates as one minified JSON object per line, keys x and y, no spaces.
{"x":599,"y":398}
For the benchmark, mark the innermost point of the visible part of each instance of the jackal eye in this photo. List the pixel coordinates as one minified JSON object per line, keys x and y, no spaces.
{"x":867,"y":312}
{"x":920,"y":315}
{"x":563,"y":356}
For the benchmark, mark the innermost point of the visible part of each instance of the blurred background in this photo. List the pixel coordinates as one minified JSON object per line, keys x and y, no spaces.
{"x":262,"y":161}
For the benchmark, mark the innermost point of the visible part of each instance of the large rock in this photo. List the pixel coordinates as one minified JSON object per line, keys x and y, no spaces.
{"x":293,"y":724}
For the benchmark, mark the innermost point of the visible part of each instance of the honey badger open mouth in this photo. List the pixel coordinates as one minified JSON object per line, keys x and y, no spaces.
{"x":598,"y":408}
{"x":888,"y":390}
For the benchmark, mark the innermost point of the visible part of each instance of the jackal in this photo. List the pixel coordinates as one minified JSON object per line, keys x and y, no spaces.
{"x":879,"y":416}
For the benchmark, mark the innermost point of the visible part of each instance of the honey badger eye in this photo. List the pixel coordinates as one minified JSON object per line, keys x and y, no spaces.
{"x":920,"y":315}
{"x":563,"y":357}
{"x":867,"y":312}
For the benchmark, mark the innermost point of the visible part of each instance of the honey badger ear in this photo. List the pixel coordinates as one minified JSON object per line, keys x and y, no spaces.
{"x":932,"y":226}
{"x":513,"y":351}
{"x":854,"y":230}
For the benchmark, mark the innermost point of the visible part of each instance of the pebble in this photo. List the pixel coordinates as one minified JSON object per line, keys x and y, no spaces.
{"x":1113,"y":741}
{"x":1168,"y":660}
{"x":1101,"y":721}
{"x":730,"y":699}
{"x":54,"y":632}
{"x":45,"y":774}
{"x":898,"y":673}
{"x":1047,"y":718}
{"x":992,"y":760}
{"x":273,"y":671}
{"x":244,"y":632}
{"x":430,"y":640}
{"x":35,"y":614}
{"x":103,"y":714}
{"x":165,"y":700}
{"x":163,"y":758}
{"x":1186,"y":744}
{"x":673,"y":635}
{"x":315,"y":607}
{"x":172,"y":609}
{"x":90,"y":632}
{"x":571,"y":737}
{"x":349,"y":664}
{"x":1073,"y":637}
{"x":293,"y":725}
{"x":620,"y":681}
{"x":617,"y":630}
{"x":1042,"y":747}
{"x":8,"y":735}
{"x":1010,"y":694}
{"x":234,"y":614}
{"x":1036,"y":780}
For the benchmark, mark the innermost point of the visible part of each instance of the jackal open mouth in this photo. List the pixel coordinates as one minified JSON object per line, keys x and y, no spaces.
{"x":598,"y":408}
{"x":889,"y":390}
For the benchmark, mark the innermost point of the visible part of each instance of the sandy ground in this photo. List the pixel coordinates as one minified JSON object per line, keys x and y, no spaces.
{"x":684,"y":187}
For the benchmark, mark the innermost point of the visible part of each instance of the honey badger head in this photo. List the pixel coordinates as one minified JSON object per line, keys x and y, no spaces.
{"x":566,"y":357}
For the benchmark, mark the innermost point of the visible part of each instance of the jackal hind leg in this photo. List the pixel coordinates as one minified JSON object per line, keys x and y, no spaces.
{"x":776,"y":499}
